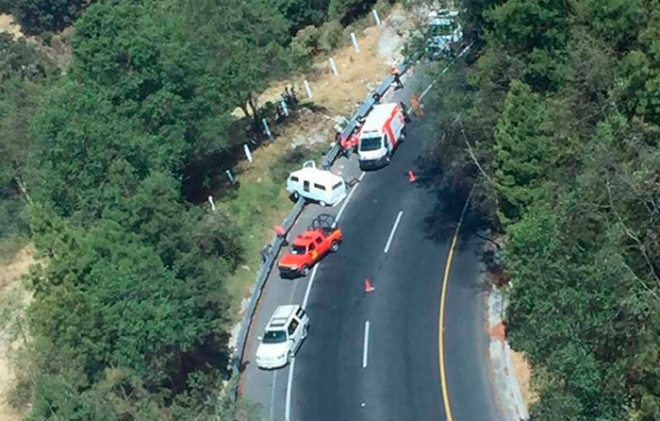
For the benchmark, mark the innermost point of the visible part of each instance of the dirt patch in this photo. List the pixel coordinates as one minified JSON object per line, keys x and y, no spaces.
{"x":17,"y":266}
{"x":7,"y":24}
{"x":57,"y":47}
{"x":359,"y":73}
{"x":523,"y":374}
{"x":13,"y":300}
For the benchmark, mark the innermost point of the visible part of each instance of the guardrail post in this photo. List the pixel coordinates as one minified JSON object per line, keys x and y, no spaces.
{"x":333,"y":66}
{"x":376,"y":17}
{"x":308,"y":89}
{"x":355,"y":42}
{"x":267,"y":129}
{"x":230,"y":176}
{"x":248,"y":155}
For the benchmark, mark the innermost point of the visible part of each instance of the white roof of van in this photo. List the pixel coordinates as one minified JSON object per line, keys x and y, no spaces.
{"x":281,"y":315}
{"x":316,"y":175}
{"x":378,"y":116}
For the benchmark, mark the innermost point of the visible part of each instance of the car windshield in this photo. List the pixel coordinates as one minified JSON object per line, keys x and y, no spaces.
{"x":274,"y":337}
{"x":298,"y":249}
{"x":370,"y":143}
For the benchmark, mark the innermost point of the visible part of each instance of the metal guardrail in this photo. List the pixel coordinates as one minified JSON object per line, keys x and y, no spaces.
{"x":262,"y":276}
{"x":372,"y":99}
{"x":276,"y":244}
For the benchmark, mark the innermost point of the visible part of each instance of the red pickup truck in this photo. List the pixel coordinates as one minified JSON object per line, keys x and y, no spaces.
{"x":307,"y":249}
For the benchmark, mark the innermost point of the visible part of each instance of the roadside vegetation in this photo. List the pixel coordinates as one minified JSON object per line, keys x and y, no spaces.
{"x":105,"y":168}
{"x":552,"y":124}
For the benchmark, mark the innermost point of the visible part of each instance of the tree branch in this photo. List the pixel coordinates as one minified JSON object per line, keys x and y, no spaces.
{"x":635,"y":238}
{"x":471,"y":151}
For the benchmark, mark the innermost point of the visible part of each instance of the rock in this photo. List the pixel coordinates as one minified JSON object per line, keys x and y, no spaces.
{"x":396,"y":20}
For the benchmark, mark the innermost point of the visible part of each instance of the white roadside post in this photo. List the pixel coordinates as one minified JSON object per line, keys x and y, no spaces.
{"x":333,"y":66}
{"x":267,"y":129}
{"x":376,"y":17}
{"x":285,"y":108}
{"x":355,"y":42}
{"x":212,"y":203}
{"x":248,"y":155}
{"x":308,"y":89}
{"x":230,"y":176}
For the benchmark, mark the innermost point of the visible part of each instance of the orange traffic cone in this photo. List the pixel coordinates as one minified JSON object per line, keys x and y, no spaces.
{"x":367,"y":285}
{"x":411,"y":176}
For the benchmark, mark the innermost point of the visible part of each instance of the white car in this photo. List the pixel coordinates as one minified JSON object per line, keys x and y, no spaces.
{"x":284,"y":334}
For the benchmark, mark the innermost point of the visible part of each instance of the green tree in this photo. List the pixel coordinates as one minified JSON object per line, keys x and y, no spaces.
{"x":522,"y":146}
{"x":108,"y":301}
{"x":245,"y":45}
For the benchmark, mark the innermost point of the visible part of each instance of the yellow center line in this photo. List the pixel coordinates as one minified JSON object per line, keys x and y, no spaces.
{"x":443,"y":300}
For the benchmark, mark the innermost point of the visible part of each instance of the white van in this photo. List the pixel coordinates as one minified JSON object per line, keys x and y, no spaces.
{"x":315,"y":184}
{"x":380,"y":135}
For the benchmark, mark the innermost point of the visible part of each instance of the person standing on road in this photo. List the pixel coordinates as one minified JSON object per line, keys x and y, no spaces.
{"x":397,"y":77}
{"x":350,"y":144}
{"x":417,"y":106}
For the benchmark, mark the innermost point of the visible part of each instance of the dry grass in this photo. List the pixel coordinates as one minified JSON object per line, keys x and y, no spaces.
{"x":58,"y":50}
{"x":12,"y":289}
{"x":359,"y":73}
{"x":7,"y":25}
{"x":523,"y":374}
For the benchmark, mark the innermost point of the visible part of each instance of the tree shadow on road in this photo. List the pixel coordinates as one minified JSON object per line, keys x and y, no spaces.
{"x":442,"y":220}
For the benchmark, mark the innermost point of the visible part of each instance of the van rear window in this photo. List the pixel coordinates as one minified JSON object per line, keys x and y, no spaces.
{"x":294,"y":178}
{"x":336,"y":186}
{"x":318,"y":186}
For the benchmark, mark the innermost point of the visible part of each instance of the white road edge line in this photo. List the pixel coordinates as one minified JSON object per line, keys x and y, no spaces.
{"x":428,"y":88}
{"x":348,"y":198}
{"x":396,"y":224}
{"x":289,"y":382}
{"x":287,"y":406}
{"x":272,"y":396}
{"x":365,"y":351}
{"x":426,"y":91}
{"x":309,"y":286}
{"x":362,"y":176}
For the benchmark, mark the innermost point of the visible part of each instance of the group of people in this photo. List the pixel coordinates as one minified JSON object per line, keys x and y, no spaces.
{"x":288,"y":97}
{"x":256,"y":132}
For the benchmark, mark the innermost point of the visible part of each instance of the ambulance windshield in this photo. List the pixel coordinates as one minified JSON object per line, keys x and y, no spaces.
{"x":370,"y":143}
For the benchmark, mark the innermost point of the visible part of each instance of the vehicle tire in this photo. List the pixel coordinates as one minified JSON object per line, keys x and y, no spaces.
{"x":334,"y":247}
{"x":304,"y":271}
{"x":295,"y":196}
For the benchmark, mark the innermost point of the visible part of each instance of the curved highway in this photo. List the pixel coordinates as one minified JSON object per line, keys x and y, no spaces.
{"x":376,"y":355}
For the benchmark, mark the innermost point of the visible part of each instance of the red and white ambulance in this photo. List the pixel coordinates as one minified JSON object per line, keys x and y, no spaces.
{"x":383,"y":130}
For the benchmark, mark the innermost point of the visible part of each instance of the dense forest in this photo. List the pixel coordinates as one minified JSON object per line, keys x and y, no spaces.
{"x":552,"y":124}
{"x":130,"y":315}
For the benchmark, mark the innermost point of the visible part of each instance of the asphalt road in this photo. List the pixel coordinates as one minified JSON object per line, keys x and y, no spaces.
{"x":375,"y":355}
